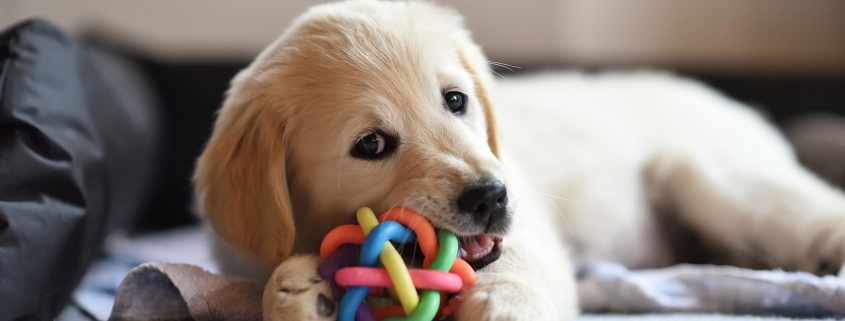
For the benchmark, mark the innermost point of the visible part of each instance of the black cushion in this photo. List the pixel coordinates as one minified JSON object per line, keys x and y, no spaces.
{"x":76,"y":151}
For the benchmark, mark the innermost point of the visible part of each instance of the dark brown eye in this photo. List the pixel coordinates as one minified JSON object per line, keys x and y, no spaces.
{"x":456,"y":101}
{"x":374,"y":146}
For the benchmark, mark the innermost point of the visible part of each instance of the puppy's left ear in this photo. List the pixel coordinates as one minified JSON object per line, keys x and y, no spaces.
{"x":473,"y":61}
{"x":241,"y":178}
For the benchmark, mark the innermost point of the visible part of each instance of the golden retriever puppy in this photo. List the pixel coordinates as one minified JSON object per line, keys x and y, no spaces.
{"x":383,"y":104}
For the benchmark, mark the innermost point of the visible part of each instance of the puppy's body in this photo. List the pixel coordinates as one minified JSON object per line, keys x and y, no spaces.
{"x":636,"y":155}
{"x":598,"y":166}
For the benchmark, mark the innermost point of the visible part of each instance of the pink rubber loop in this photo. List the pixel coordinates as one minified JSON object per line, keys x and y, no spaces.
{"x":378,"y":277}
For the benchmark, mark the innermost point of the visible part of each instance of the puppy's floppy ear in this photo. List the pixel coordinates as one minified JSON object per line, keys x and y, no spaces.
{"x":240,"y":178}
{"x":470,"y":58}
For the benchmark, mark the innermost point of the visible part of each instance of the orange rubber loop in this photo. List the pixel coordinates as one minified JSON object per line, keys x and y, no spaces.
{"x":344,"y":234}
{"x":462,"y":269}
{"x":428,"y":241}
{"x":450,"y":308}
{"x":389,"y":311}
{"x":426,"y":237}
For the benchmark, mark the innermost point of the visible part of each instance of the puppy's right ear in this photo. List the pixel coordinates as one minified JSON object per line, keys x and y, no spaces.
{"x":240,"y":179}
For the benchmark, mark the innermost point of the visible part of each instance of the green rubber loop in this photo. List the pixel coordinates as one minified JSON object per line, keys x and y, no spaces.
{"x":448,"y":252}
{"x":426,"y":310}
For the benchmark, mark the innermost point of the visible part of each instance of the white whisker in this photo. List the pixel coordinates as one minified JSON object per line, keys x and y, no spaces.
{"x":503,"y":65}
{"x":503,"y":77}
{"x":506,"y":67}
{"x":567,"y":176}
{"x":559,"y":212}
{"x":403,"y":205}
{"x":552,"y":196}
{"x":339,"y":167}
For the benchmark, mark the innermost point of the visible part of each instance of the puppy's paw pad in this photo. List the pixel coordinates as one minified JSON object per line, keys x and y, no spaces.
{"x":325,"y":306}
{"x":825,"y":267}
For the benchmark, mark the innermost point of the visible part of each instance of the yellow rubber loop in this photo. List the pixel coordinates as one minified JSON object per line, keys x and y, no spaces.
{"x":394,"y":264}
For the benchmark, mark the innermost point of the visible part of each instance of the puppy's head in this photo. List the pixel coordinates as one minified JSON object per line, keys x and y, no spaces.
{"x":359,"y":103}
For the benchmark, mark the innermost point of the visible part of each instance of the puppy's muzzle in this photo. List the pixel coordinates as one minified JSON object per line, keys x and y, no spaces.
{"x":486,"y":204}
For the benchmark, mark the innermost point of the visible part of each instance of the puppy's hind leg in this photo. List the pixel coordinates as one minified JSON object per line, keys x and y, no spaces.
{"x":755,"y":203}
{"x":297,"y":292}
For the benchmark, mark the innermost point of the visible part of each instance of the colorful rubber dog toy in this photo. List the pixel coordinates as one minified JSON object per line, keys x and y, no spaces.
{"x":443,"y":274}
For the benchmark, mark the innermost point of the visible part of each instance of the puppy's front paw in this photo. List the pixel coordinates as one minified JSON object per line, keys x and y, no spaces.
{"x":297,"y":292}
{"x":825,"y":254}
{"x":503,"y":298}
{"x":830,"y":258}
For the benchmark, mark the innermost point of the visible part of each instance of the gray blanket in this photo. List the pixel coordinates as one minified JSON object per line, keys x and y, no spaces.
{"x":186,"y":292}
{"x":610,"y":287}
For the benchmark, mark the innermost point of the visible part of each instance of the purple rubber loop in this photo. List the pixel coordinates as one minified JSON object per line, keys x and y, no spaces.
{"x":343,"y":257}
{"x":363,"y":313}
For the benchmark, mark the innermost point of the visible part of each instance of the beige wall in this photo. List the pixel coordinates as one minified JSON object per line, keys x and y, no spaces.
{"x":736,"y":36}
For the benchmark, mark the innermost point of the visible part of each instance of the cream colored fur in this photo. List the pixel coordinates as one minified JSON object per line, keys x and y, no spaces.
{"x":594,"y":164}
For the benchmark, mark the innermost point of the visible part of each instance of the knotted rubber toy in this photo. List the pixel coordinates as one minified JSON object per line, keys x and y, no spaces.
{"x":444,"y":273}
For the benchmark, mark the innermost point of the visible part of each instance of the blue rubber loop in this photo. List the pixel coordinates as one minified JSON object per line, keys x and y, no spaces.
{"x":386,"y":231}
{"x":370,"y":250}
{"x":350,"y":302}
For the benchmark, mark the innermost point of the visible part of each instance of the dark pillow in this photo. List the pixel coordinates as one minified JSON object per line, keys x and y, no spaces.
{"x":76,"y":151}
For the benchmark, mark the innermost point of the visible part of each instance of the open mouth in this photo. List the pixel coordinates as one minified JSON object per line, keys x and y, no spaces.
{"x":480,"y":250}
{"x":477,"y":250}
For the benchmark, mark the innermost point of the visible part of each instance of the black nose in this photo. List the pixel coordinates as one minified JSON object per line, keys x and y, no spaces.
{"x":484,"y":201}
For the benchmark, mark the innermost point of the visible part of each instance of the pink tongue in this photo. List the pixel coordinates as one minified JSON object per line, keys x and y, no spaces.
{"x":481,"y":243}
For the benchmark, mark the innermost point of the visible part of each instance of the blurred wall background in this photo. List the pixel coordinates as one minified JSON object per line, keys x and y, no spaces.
{"x":715,"y":36}
{"x":785,"y":57}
